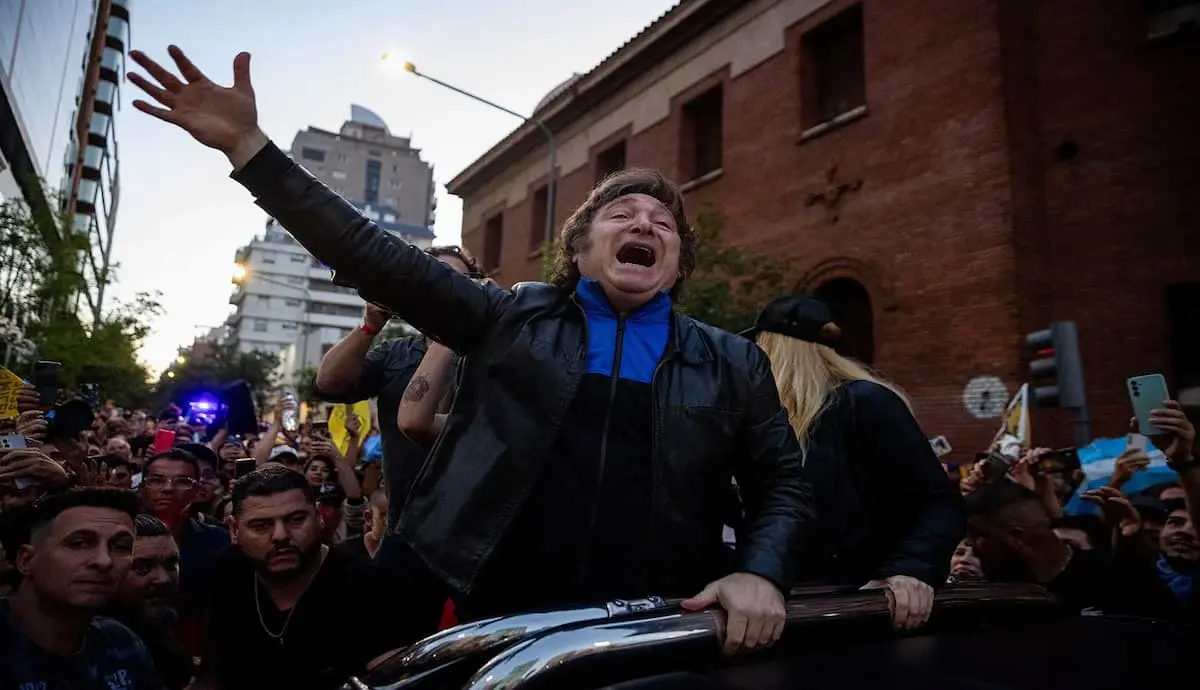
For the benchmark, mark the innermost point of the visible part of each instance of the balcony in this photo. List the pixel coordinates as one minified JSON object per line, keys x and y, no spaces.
{"x":98,"y":127}
{"x":106,"y":96}
{"x":117,"y":33}
{"x":85,"y":199}
{"x":120,"y":8}
{"x":93,"y":159}
{"x":112,"y":61}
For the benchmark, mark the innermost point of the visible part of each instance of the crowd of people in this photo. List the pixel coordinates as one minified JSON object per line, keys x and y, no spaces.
{"x":540,"y":446}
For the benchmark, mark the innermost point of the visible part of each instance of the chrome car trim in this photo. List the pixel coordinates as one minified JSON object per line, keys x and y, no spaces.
{"x":570,"y":651}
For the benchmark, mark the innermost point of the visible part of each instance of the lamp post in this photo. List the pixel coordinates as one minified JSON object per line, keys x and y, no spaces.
{"x":241,"y":275}
{"x":552,"y":181}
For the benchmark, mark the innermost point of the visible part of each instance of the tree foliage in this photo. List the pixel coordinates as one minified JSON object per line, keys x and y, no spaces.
{"x":217,"y":368}
{"x":729,"y":285}
{"x":40,"y":285}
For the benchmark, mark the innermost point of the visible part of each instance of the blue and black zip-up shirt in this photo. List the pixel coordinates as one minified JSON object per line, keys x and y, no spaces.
{"x":581,"y":534}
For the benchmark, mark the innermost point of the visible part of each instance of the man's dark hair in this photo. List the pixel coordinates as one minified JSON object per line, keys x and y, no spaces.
{"x":202,"y":452}
{"x":149,"y":526}
{"x":43,"y":511}
{"x":456,"y":252}
{"x":112,"y":461}
{"x":574,"y":238}
{"x":1091,"y":525}
{"x":269,"y":480}
{"x":991,"y":498}
{"x":176,"y":454}
{"x":1155,"y":490}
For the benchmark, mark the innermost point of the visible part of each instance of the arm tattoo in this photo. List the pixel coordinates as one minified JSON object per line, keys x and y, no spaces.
{"x":417,"y":388}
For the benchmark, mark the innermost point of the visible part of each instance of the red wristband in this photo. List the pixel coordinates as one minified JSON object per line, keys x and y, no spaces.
{"x":366,"y":329}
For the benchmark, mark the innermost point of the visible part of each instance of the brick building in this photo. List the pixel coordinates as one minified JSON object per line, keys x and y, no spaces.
{"x":949,"y":174}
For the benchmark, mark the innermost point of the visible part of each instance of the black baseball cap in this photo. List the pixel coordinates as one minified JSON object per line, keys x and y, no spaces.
{"x":797,"y":316}
{"x":329,"y":493}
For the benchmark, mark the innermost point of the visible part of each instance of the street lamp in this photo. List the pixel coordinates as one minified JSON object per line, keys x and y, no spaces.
{"x":241,"y":275}
{"x":552,"y":183}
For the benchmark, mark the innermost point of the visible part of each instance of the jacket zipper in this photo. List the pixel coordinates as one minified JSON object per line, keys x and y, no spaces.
{"x":608,"y":413}
{"x":654,"y":464}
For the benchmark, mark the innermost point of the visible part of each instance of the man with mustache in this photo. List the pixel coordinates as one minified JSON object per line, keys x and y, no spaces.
{"x":145,"y":601}
{"x":282,"y":602}
{"x":596,"y":429}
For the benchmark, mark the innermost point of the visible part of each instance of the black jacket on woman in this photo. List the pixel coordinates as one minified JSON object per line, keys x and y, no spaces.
{"x":885,"y":503}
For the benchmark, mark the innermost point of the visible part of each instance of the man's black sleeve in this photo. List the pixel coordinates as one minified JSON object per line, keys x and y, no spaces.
{"x":776,"y":498}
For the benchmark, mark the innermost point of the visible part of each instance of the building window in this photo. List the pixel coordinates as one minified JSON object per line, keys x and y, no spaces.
{"x":394,"y":183}
{"x":373,"y":152}
{"x":610,"y":160}
{"x":833,"y":73}
{"x":299,"y":259}
{"x":289,"y":326}
{"x":312,"y":154}
{"x":263,"y":299}
{"x":291,"y":302}
{"x":537,"y":219}
{"x":702,"y":134}
{"x":493,"y":237}
{"x":268,"y":257}
{"x":1183,"y":309}
{"x":260,"y":326}
{"x":371,"y":195}
{"x":338,"y":175}
{"x":341,"y":157}
{"x":391,"y":201}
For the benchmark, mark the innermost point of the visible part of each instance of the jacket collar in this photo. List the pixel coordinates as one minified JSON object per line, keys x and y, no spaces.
{"x":593,"y":300}
{"x":686,"y":341}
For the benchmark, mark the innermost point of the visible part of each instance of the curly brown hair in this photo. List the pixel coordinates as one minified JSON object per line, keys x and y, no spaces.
{"x":574,"y":236}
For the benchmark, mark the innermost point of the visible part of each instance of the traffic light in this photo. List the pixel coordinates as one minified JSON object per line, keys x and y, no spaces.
{"x":1056,"y":371}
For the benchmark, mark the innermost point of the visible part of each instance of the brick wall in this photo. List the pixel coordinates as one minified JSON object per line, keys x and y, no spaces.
{"x":966,"y":231}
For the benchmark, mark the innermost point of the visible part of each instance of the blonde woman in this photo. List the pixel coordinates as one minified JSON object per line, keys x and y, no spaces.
{"x":887,"y":514}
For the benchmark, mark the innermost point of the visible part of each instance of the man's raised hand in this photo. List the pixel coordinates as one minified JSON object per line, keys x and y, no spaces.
{"x":223,"y":118}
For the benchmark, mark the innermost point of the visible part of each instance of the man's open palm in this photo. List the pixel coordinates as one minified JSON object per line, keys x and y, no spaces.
{"x":219,"y":117}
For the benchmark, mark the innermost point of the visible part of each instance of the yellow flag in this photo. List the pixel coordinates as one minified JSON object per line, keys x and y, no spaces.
{"x":337,"y":424}
{"x":10,"y":388}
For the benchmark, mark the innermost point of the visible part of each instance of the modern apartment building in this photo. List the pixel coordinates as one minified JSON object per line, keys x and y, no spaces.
{"x":91,"y":187}
{"x":285,"y":302}
{"x":369,"y":166}
{"x":43,"y":51}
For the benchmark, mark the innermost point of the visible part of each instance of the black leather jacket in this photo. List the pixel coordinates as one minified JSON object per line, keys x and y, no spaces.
{"x":716,"y":411}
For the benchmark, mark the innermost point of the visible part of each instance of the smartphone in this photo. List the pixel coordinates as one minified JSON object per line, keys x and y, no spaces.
{"x":243,"y":467}
{"x":1147,"y":393}
{"x":11,"y":441}
{"x":320,"y":429}
{"x":45,"y":380}
{"x":995,"y":467}
{"x":91,"y":393}
{"x":941,"y":447}
{"x":164,"y":440}
{"x":1137,"y":442}
{"x":1057,"y":461}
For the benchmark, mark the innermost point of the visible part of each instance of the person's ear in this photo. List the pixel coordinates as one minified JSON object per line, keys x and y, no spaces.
{"x":231,"y":523}
{"x":24,"y":559}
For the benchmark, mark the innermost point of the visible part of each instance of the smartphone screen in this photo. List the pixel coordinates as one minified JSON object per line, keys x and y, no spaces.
{"x":243,"y":467}
{"x":45,"y":380}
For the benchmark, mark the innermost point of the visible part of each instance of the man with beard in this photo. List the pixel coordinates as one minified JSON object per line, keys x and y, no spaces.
{"x":169,"y":485}
{"x":72,"y":553}
{"x":282,"y":601}
{"x":146,"y":600}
